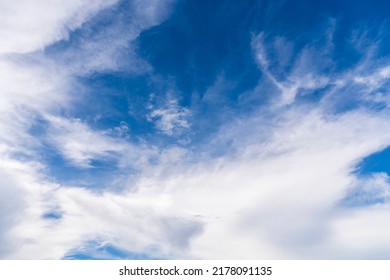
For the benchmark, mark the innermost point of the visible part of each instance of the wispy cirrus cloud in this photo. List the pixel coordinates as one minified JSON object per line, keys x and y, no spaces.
{"x":80,"y":144}
{"x":169,"y":117}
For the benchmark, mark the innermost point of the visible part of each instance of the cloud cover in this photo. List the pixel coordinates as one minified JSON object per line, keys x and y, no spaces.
{"x":267,"y":183}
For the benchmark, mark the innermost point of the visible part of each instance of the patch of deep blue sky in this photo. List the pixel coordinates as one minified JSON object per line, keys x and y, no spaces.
{"x":205,"y":44}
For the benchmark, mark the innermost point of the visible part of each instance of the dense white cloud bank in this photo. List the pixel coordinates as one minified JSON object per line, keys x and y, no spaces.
{"x":27,"y":26}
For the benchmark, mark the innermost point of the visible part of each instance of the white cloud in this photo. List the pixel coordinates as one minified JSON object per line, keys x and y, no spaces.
{"x":374,"y":80}
{"x":360,"y":234}
{"x":277,"y":201}
{"x":80,"y":144}
{"x":276,"y":196}
{"x":304,"y":75}
{"x":113,"y":46}
{"x":23,"y":200}
{"x":35,"y":85}
{"x":27,"y":90}
{"x":28,"y":26}
{"x":170,"y":118}
{"x":310,"y":71}
{"x":151,"y":12}
{"x":369,"y":190}
{"x":34,"y":90}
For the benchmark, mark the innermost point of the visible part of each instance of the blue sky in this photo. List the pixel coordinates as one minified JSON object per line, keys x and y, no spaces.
{"x":163,"y":129}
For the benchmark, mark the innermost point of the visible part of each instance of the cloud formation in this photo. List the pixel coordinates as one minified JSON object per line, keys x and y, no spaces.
{"x":32,"y":25}
{"x":276,"y":181}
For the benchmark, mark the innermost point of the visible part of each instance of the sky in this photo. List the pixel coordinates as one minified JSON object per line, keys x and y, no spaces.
{"x":194,"y":129}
